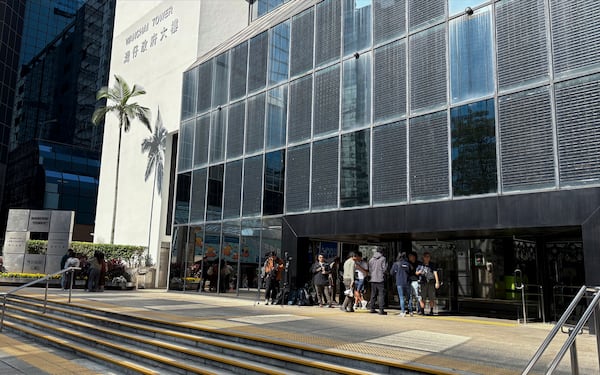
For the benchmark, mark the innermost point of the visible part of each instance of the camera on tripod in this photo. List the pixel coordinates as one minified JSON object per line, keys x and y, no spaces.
{"x":287,"y":257}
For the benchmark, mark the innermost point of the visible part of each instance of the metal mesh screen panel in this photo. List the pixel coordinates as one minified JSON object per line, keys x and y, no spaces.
{"x":239,"y":69}
{"x":526,"y":140}
{"x":327,"y":101}
{"x":389,"y":20}
{"x":428,"y":137}
{"x":257,"y":60}
{"x":325,"y":174}
{"x":232,"y":190}
{"x":575,"y":34}
{"x":577,"y":108}
{"x":253,"y":178}
{"x":201,"y":141}
{"x":255,"y":126}
{"x":389,"y":81}
{"x":521,"y":35}
{"x":297,"y":179}
{"x":422,"y":13}
{"x":300,"y":109}
{"x":428,"y":69}
{"x":302,"y":42}
{"x":235,"y":129}
{"x":328,"y":32}
{"x":389,"y":163}
{"x":198,"y":203}
{"x":205,"y":72}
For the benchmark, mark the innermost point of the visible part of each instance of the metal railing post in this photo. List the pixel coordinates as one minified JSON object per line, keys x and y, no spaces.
{"x":46,"y":293}
{"x":597,"y":326}
{"x":521,"y":287}
{"x":574,"y":360}
{"x":71,"y":284}
{"x":3,"y":308}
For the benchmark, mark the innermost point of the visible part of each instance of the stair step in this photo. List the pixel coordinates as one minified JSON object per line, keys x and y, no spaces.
{"x":263,"y":360}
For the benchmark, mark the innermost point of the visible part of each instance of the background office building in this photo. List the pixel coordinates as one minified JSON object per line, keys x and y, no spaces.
{"x":54,"y":149}
{"x":465,"y":128}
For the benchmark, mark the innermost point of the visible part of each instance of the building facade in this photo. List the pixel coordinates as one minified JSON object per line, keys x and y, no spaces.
{"x":466,"y":128}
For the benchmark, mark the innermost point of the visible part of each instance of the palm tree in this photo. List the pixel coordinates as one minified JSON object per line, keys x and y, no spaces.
{"x":118,"y":97}
{"x":154,"y":145}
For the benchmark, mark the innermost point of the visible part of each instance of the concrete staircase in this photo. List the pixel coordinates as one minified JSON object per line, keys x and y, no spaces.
{"x":137,"y":345}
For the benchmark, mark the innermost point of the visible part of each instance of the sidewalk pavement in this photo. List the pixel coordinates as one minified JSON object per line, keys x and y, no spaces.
{"x":470,"y":344}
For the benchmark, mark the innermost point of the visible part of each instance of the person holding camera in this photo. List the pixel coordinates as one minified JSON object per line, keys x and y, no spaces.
{"x":321,"y":271}
{"x":429,"y":280}
{"x":273,"y":266}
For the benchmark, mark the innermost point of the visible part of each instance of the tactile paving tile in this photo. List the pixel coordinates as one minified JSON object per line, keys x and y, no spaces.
{"x":421,"y":340}
{"x":268,"y":319}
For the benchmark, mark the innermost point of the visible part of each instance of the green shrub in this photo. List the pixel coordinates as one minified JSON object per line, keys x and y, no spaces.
{"x":132,"y":255}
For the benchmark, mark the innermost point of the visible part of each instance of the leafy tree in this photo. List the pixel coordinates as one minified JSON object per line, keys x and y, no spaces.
{"x":118,"y":102}
{"x":155,"y":147}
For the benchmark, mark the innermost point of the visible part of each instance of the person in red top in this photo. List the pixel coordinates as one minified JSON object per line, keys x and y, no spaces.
{"x":273,"y":271}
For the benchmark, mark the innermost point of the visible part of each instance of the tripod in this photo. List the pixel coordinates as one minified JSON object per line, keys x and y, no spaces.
{"x":285,"y":291}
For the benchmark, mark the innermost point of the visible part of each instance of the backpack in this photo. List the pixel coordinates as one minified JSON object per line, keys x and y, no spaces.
{"x":303,"y":298}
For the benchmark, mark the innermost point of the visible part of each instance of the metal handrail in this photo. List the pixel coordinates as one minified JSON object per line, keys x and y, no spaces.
{"x":33,"y":282}
{"x":570,"y":343}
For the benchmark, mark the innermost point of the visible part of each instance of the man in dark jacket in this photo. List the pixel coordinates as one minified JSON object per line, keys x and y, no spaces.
{"x":377,"y":271}
{"x":401,"y":271}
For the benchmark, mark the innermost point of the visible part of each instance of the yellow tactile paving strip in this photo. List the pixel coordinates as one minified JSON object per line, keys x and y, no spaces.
{"x":41,"y":359}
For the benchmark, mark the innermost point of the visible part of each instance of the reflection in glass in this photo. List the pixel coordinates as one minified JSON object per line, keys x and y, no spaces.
{"x":250,"y":253}
{"x":471,"y":60}
{"x":214,"y":196}
{"x":186,"y":140}
{"x":276,"y":116}
{"x":201,"y":141}
{"x":279,"y":53}
{"x":354,"y":174}
{"x":212,"y":252}
{"x":188,"y":95}
{"x":218,"y":126}
{"x":230,"y":257}
{"x":274,"y":182}
{"x":459,"y":6}
{"x":356,"y":96}
{"x":198,"y":195}
{"x":357,"y":25}
{"x":474,"y":148}
{"x":257,"y":60}
{"x":182,"y":198}
{"x":221,"y":81}
{"x":177,"y":267}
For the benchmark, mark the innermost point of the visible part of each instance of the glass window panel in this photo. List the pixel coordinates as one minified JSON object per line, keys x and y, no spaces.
{"x":279,"y":53}
{"x":389,"y":81}
{"x":471,"y":60}
{"x":201,"y":141}
{"x":300,"y":109}
{"x":328,"y":32}
{"x":459,"y":6}
{"x":274,"y":183}
{"x":473,"y":128}
{"x":324,"y":190}
{"x":198,"y":196}
{"x":257,"y":60}
{"x":221,"y":81}
{"x":239,"y":69}
{"x":218,"y":126}
{"x":232,"y":200}
{"x":205,"y":84}
{"x":276,"y":117}
{"x":354,"y":169}
{"x":186,"y":141}
{"x":235,"y":129}
{"x":389,"y":20}
{"x":357,"y":25}
{"x":214,"y":195}
{"x":298,"y":179}
{"x":250,"y":251}
{"x":253,"y":182}
{"x":255,"y":124}
{"x":302,"y":48}
{"x":326,"y":111}
{"x":189,"y":92}
{"x":356,"y":96}
{"x":182,"y":198}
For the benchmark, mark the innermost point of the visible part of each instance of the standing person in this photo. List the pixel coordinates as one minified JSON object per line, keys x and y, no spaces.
{"x":273,"y":266}
{"x":348,"y":283}
{"x":377,"y":270}
{"x":401,"y":271}
{"x":72,"y":261}
{"x":321,"y":271}
{"x":413,"y":280}
{"x":226,"y":271}
{"x":333,"y":277}
{"x":361,"y":269}
{"x":429,"y":280}
{"x":94,"y":273}
{"x":63,"y":261}
{"x":102,"y":274}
